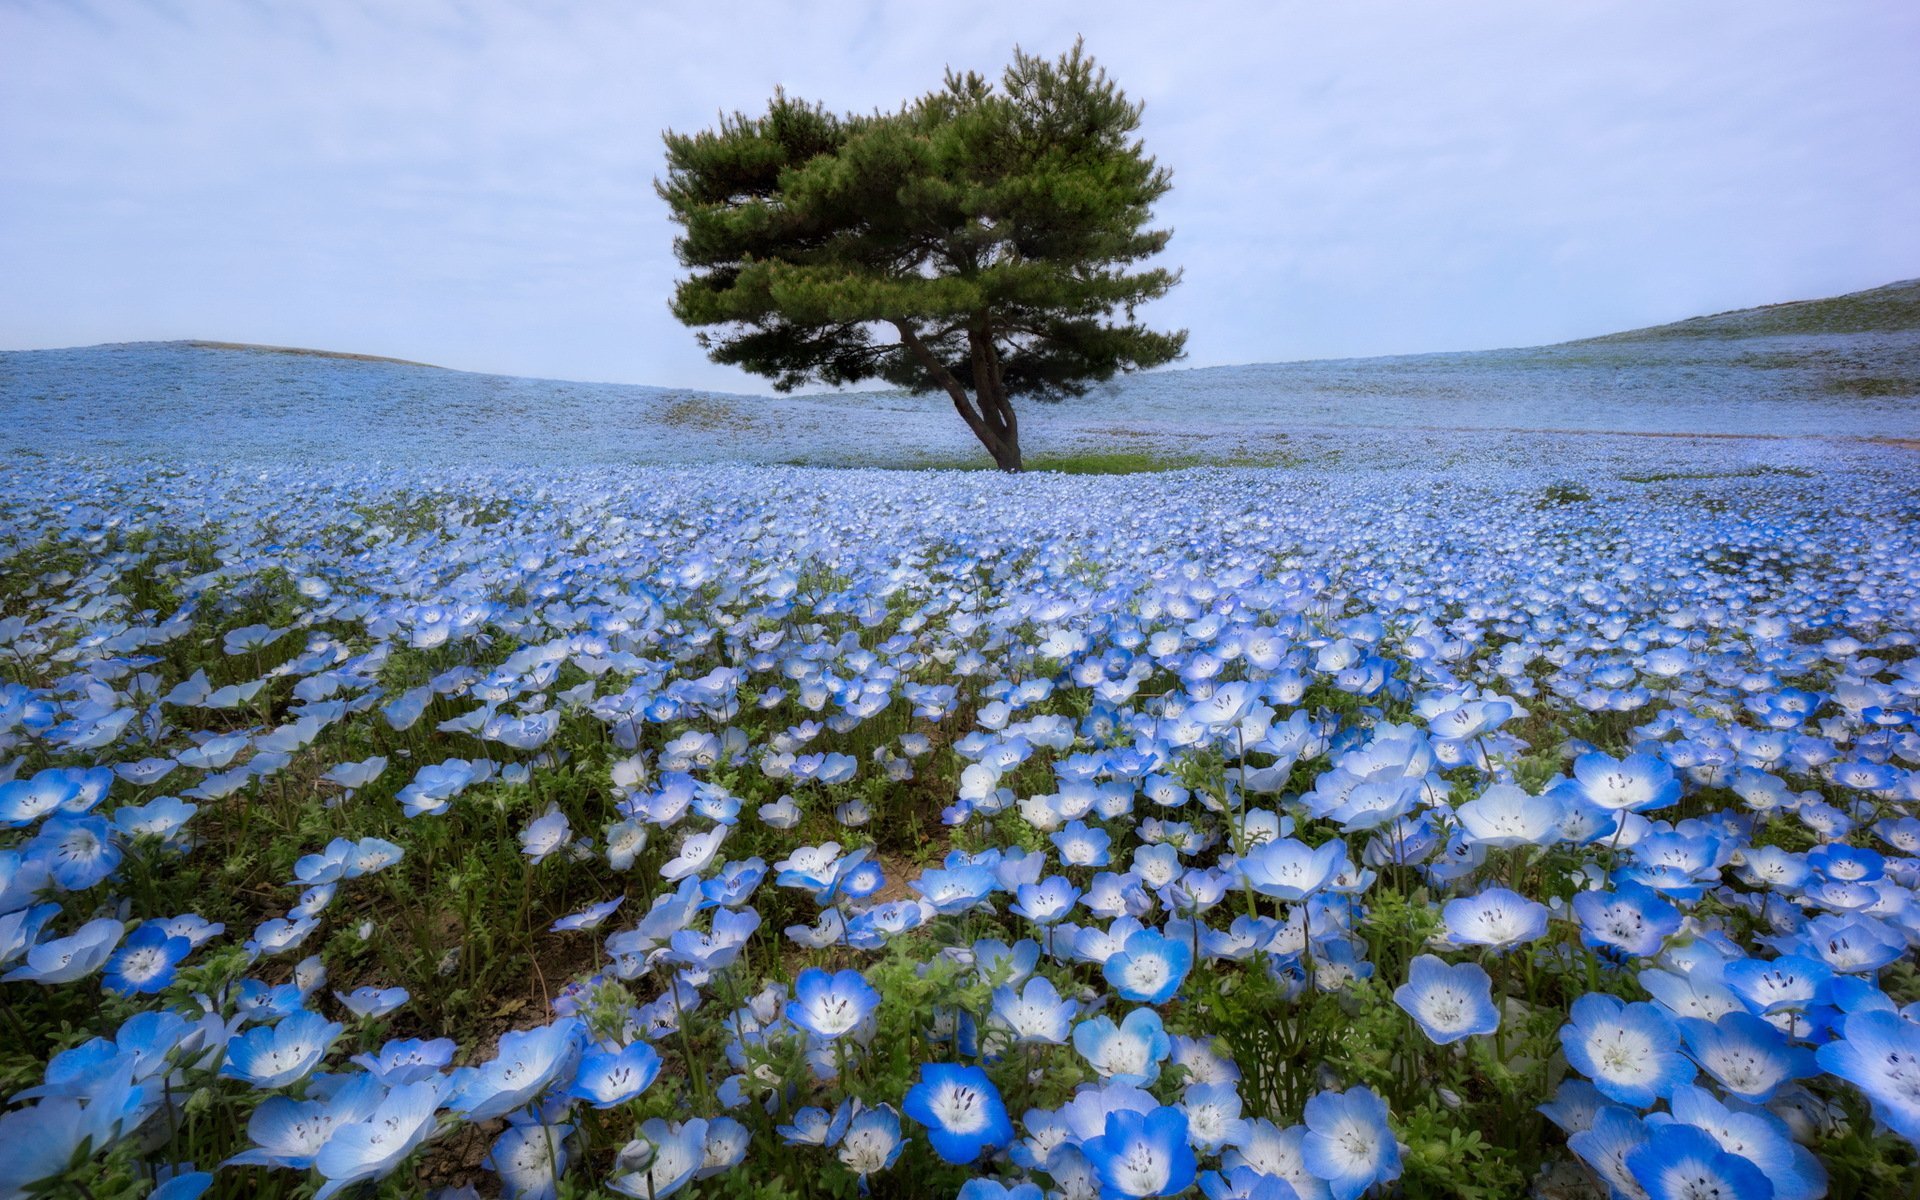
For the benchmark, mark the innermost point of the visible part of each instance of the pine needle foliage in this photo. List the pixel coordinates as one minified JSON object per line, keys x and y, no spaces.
{"x":985,"y":242}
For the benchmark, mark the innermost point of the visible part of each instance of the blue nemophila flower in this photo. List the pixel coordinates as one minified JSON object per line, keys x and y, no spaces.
{"x":79,"y":851}
{"x":1854,"y":945}
{"x":1753,"y":1133}
{"x":183,"y":1183}
{"x":313,"y":901}
{"x":813,"y":1126}
{"x":1081,"y":845}
{"x":1213,"y":1114}
{"x":20,"y":930}
{"x":1612,"y":1134}
{"x":288,"y":1133}
{"x":25,"y":801}
{"x":1773,"y":867}
{"x":725,"y":1146}
{"x":1048,"y":901}
{"x":1289,"y":869}
{"x":829,"y":1006}
{"x":589,"y":917}
{"x":63,"y":960}
{"x":995,"y":962}
{"x":1679,"y":1162}
{"x":355,"y":775}
{"x":529,"y":1159}
{"x":1246,"y":1183}
{"x":609,"y":1078}
{"x":1849,"y":864}
{"x":407,"y":1060}
{"x":1143,"y":1154}
{"x":276,"y":1055}
{"x":783,"y":813}
{"x":162,"y":817}
{"x":961,"y":1110}
{"x":44,"y":1140}
{"x":1745,"y":1054}
{"x":434,"y":787}
{"x":1637,"y":783}
{"x":810,"y":868}
{"x":956,"y":890}
{"x":1574,"y":1105}
{"x":697,"y":853}
{"x":192,"y":926}
{"x":1879,"y":1053}
{"x":528,"y":1063}
{"x":1632,"y":919}
{"x":1450,"y":1001}
{"x":368,"y":1002}
{"x":1349,"y":1143}
{"x":1036,"y":1014}
{"x":1497,"y":918}
{"x":717,"y":949}
{"x":994,"y":1189}
{"x":141,"y":1046}
{"x":1791,"y":982}
{"x":544,"y":835}
{"x":375,"y":1147}
{"x":1128,"y":1053}
{"x":1675,"y":864}
{"x":855,"y":877}
{"x":625,"y":840}
{"x":279,"y":935}
{"x":146,"y":961}
{"x":1700,"y":992}
{"x":1150,"y":967}
{"x":1630,"y":1051}
{"x":328,"y":866}
{"x":369,"y":855}
{"x":871,"y":1142}
{"x":1505,"y":816}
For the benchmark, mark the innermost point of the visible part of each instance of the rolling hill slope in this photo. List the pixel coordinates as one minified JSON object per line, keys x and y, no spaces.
{"x":1847,"y":366}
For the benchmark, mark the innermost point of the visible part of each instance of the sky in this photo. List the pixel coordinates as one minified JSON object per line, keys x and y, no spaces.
{"x":470,"y":184}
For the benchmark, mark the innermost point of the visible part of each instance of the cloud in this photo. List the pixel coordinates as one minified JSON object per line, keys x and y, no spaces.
{"x":471,"y":184}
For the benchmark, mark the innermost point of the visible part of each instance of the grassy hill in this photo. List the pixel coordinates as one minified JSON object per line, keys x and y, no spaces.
{"x":1894,"y":308}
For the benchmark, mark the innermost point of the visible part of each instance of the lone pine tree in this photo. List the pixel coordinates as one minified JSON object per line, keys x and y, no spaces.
{"x":978,"y":242}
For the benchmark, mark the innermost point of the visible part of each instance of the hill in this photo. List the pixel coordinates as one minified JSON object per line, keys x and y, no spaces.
{"x":1894,"y":308}
{"x":1847,"y":366}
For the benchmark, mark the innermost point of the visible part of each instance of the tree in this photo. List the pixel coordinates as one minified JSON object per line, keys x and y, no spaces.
{"x":976,"y":242}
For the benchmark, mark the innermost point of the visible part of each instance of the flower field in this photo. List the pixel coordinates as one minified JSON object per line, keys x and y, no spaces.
{"x":1427,"y":831}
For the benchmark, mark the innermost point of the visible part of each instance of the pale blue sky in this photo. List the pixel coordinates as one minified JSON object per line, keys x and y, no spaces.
{"x":470,"y":183}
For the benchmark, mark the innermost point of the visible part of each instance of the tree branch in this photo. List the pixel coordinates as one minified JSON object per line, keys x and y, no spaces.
{"x":926,"y":357}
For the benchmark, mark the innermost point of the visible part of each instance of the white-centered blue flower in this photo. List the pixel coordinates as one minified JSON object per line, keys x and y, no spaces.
{"x":275,"y":1056}
{"x":1037,"y":1014}
{"x":961,"y":1110}
{"x":829,"y":1006}
{"x":609,"y":1078}
{"x":1630,"y":1051}
{"x":1450,"y":1001}
{"x":1349,"y":1143}
{"x":1150,"y":967}
{"x":1128,"y":1053}
{"x":1139,"y":1155}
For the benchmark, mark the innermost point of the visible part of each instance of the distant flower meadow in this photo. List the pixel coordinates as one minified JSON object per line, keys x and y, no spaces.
{"x":754,"y":832}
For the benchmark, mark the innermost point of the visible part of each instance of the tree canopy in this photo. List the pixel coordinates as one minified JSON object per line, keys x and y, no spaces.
{"x":979,"y":241}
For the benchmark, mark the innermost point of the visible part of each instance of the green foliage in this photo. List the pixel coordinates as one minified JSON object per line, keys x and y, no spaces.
{"x":1444,"y":1162}
{"x":989,"y":234}
{"x":1559,"y":494}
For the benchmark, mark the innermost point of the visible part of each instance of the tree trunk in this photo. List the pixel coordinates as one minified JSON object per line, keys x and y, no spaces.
{"x":992,"y":419}
{"x":993,"y":393}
